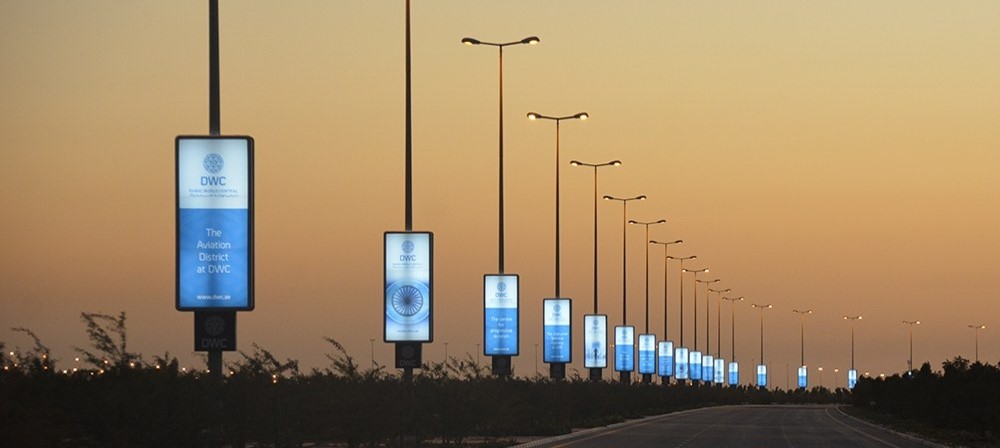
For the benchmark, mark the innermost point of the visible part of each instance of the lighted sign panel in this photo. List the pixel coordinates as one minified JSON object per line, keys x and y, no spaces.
{"x":214,"y":223}
{"x":707,"y":368}
{"x":595,"y":341}
{"x":803,"y":377}
{"x":409,"y":300}
{"x":695,"y":366}
{"x":761,"y":375}
{"x":852,"y":378}
{"x":624,"y":348}
{"x":720,"y":371}
{"x":500,"y":315}
{"x":681,"y":363}
{"x":665,"y":361}
{"x":734,"y":373}
{"x":647,"y":354}
{"x":556,"y":338}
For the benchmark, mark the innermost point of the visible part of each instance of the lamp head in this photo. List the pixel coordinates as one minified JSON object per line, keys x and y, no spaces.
{"x":470,"y":41}
{"x":615,"y":163}
{"x":581,"y":116}
{"x":531,"y":40}
{"x":534,"y":116}
{"x":608,"y":198}
{"x":572,"y":162}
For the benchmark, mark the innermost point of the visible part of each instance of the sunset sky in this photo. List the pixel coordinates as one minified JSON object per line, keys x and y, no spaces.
{"x":834,"y":155}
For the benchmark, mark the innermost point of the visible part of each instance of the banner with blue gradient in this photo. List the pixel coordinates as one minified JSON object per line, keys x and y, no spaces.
{"x":500,"y":316}
{"x":409,"y":302}
{"x":557,"y":343}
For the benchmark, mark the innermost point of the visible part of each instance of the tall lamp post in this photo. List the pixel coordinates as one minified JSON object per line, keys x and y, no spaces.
{"x":720,"y":363}
{"x":557,"y":370}
{"x":666,"y":346}
{"x":976,"y":328}
{"x":852,"y":374}
{"x":595,"y":372}
{"x":803,"y":370}
{"x":647,"y":377}
{"x":501,"y":363}
{"x":625,"y":374}
{"x":695,"y":359}
{"x":707,"y":360}
{"x":762,"y":367}
{"x":909,"y":363}
{"x":734,"y":367}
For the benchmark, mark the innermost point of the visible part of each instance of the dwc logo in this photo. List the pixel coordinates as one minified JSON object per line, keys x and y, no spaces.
{"x":213,"y":163}
{"x":407,"y":254}
{"x":501,"y":290}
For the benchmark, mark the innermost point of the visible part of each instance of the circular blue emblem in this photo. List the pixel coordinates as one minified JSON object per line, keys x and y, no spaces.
{"x":213,"y":163}
{"x":501,"y":286}
{"x":408,"y":246}
{"x":557,"y":308}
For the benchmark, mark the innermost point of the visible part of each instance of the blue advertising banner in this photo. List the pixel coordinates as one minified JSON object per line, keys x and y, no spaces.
{"x":595,"y":341}
{"x":665,"y":362}
{"x":803,"y":377}
{"x":695,"y":366}
{"x":500,"y":315}
{"x":761,"y":375}
{"x":734,"y":373}
{"x":707,"y":368}
{"x":681,"y":363}
{"x":624,"y":349}
{"x":720,"y":371}
{"x":409,"y":300}
{"x":557,"y":342}
{"x":214,"y":185}
{"x":852,"y":378}
{"x":647,"y":354}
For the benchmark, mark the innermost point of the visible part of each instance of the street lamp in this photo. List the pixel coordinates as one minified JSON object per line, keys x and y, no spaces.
{"x":734,"y":367}
{"x":708,"y":344}
{"x":536,"y":116}
{"x":976,"y":329}
{"x":695,"y":354}
{"x":595,"y":373}
{"x":647,"y":378}
{"x":625,"y":375}
{"x":803,"y":371}
{"x":762,"y":368}
{"x":681,"y":259}
{"x":853,"y":373}
{"x":911,"y":323}
{"x":666,"y":247}
{"x":501,"y":363}
{"x":707,"y":361}
{"x":718,"y":319}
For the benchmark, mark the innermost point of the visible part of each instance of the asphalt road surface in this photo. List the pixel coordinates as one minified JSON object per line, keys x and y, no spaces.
{"x":740,"y":426}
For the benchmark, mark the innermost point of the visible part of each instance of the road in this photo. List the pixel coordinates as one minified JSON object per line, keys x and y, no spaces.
{"x":750,"y":426}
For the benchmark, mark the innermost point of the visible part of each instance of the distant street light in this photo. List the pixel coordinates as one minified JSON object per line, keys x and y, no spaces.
{"x":910,"y":324}
{"x":732,"y":353}
{"x":646,"y":225}
{"x":595,"y":166}
{"x":445,"y":353}
{"x":762,"y":364}
{"x":718,"y":319}
{"x":802,"y":339}
{"x":666,"y":314}
{"x":681,"y":259}
{"x":853,"y":372}
{"x":535,"y":116}
{"x":976,"y":329}
{"x":708,"y":341}
{"x":625,"y":375}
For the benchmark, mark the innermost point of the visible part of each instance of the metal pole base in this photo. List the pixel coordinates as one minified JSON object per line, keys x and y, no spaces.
{"x":647,"y":378}
{"x":501,"y":366}
{"x":625,"y":377}
{"x":557,"y":370}
{"x":596,"y":375}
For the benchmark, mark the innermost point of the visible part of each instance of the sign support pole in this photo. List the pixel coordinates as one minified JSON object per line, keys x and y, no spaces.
{"x":214,"y":128}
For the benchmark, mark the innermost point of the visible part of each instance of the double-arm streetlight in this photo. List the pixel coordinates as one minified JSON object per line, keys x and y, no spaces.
{"x":532,"y":40}
{"x":762,"y":364}
{"x":802,"y":342}
{"x":536,"y":116}
{"x":681,"y":259}
{"x":708,"y":341}
{"x":666,"y":314}
{"x":595,"y":166}
{"x":911,"y":323}
{"x":718,"y":319}
{"x":852,"y":319}
{"x":625,"y":374}
{"x":976,"y":328}
{"x":646,"y":225}
{"x":696,"y":272}
{"x":695,"y":361}
{"x":734,"y":367}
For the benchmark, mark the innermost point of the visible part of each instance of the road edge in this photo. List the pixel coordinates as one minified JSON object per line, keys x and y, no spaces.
{"x":886,"y":428}
{"x":588,"y":431}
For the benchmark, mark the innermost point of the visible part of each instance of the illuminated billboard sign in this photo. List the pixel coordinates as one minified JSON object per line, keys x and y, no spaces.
{"x":595,"y":341}
{"x":695,"y":366}
{"x":500,"y":315}
{"x":803,"y":374}
{"x":665,"y":367}
{"x":408,"y":281}
{"x":624,"y":349}
{"x":557,"y":341}
{"x":720,"y":371}
{"x":707,"y":368}
{"x":647,"y":354}
{"x":681,"y":363}
{"x":761,"y":375}
{"x":852,"y":378}
{"x":214,"y":223}
{"x":734,"y":373}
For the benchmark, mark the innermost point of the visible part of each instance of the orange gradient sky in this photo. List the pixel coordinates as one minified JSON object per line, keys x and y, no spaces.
{"x":834,"y":155}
